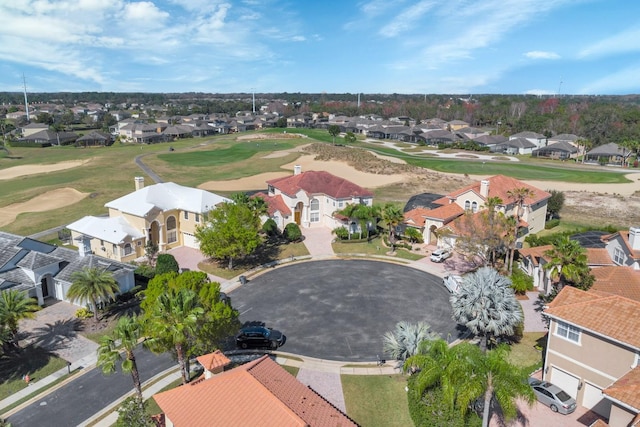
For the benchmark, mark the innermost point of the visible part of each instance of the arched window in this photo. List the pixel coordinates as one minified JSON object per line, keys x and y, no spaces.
{"x":315,"y":204}
{"x":467,"y":205}
{"x":172,"y":234}
{"x":474,"y":207}
{"x":314,"y":207}
{"x":128,"y":250}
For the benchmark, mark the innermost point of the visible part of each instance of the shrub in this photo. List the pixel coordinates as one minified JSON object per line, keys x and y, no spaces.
{"x":430,"y":409}
{"x":166,"y":263}
{"x":551,"y":224}
{"x":270,"y":228}
{"x":145,"y":270}
{"x":132,"y":414}
{"x":521,"y":282}
{"x":84,"y":313}
{"x":292,"y":232}
{"x":341,"y":233}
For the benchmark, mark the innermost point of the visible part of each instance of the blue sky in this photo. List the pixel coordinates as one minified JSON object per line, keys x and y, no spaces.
{"x":334,"y":46}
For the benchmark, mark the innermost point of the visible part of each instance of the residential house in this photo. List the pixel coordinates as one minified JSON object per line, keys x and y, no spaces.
{"x":455,"y":125}
{"x":310,"y":198}
{"x":514,"y":146}
{"x":608,"y":154}
{"x":95,"y":138}
{"x":165,"y":214}
{"x":593,"y":352}
{"x":49,"y":137}
{"x":44,"y":271}
{"x":258,"y":393}
{"x":32,"y":128}
{"x":445,"y":211}
{"x":537,"y":139}
{"x":561,"y":150}
{"x":624,"y":247}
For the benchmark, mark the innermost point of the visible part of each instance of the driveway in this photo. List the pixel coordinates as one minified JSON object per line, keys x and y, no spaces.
{"x":340,"y":309}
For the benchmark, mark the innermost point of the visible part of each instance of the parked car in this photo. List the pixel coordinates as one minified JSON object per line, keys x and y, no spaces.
{"x":259,"y":337}
{"x":439,"y":255}
{"x":553,"y":396}
{"x":452,"y":283}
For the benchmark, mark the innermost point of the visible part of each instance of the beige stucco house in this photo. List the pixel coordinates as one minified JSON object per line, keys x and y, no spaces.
{"x":165,"y":214}
{"x":310,"y":198}
{"x":593,"y":352}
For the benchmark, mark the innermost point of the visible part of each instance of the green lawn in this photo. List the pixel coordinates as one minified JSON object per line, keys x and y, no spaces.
{"x":31,"y":360}
{"x":525,"y":354}
{"x":374,"y":247}
{"x":377,"y":400}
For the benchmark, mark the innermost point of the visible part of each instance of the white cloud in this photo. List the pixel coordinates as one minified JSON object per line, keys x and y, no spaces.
{"x":626,"y":41}
{"x":539,"y":54}
{"x":143,"y":15}
{"x":625,"y":80}
{"x":406,"y":20}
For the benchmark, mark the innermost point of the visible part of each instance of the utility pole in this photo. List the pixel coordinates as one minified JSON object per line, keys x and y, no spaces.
{"x":26,"y":103}
{"x":253,"y":93}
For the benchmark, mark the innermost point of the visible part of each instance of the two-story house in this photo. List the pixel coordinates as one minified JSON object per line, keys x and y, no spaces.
{"x":624,"y":247}
{"x":164,"y":214}
{"x":593,"y":352}
{"x":310,"y":198}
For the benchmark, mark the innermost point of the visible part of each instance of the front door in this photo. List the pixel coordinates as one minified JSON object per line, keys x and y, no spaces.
{"x":45,"y":287}
{"x":297,"y":215}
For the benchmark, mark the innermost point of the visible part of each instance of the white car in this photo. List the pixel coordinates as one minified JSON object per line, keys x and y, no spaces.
{"x":452,"y":283}
{"x":439,"y":255}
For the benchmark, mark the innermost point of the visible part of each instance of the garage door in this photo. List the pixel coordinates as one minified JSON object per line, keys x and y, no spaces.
{"x":594,"y":400}
{"x":190,"y":240}
{"x":565,"y":381}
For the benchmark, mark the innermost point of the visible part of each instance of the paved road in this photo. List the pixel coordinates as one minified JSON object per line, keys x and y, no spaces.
{"x":339,"y":310}
{"x":154,"y":176}
{"x":86,"y":395}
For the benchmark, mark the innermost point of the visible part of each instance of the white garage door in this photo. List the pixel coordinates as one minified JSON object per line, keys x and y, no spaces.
{"x":565,"y":381}
{"x":190,"y":240}
{"x":594,"y":400}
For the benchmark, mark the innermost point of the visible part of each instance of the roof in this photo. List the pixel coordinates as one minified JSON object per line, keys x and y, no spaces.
{"x":590,"y":239}
{"x":536,"y":253}
{"x":626,"y":389}
{"x":111,"y":229}
{"x":319,"y":182}
{"x":166,"y":196}
{"x":213,"y":361}
{"x":563,"y":146}
{"x":624,"y":236}
{"x":611,"y":316}
{"x":610,"y":149}
{"x":274,"y":204}
{"x":527,"y":134}
{"x":598,"y":257}
{"x":617,"y":280}
{"x":500,"y":185}
{"x":259,"y":393}
{"x":423,"y":200}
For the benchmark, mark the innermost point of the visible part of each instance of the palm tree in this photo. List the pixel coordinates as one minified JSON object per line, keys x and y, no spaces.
{"x":92,"y":285}
{"x":486,"y":304}
{"x":15,"y":306}
{"x":518,"y":196}
{"x":172,"y":325}
{"x":464,"y":373}
{"x":568,"y":264}
{"x":491,"y":204}
{"x":125,"y":336}
{"x":392,"y":217}
{"x":404,"y":341}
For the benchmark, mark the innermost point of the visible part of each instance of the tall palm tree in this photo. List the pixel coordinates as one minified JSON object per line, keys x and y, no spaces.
{"x":518,"y":197}
{"x":404,"y":341}
{"x":392,"y":217}
{"x":15,"y":306}
{"x":172,"y":325}
{"x":487,"y":305}
{"x":491,"y":204}
{"x":568,"y":264}
{"x":124,"y":337}
{"x":92,"y":285}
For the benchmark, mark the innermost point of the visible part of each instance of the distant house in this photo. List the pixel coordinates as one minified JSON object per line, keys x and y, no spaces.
{"x":258,"y":393}
{"x":44,"y":271}
{"x":561,"y":150}
{"x":165,"y":214}
{"x":310,"y":198}
{"x":49,"y":137}
{"x":32,"y":128}
{"x":593,"y":352}
{"x":610,"y":154}
{"x":514,"y":146}
{"x":455,"y":125}
{"x":535,"y":138}
{"x":95,"y":138}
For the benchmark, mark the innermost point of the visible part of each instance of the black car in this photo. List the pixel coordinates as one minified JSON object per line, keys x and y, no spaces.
{"x":259,"y":336}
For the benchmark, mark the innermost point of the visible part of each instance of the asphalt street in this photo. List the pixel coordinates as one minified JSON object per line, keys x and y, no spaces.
{"x":87,"y":394}
{"x":339,"y":310}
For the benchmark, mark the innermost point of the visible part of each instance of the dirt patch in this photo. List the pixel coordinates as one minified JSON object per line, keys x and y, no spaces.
{"x":23,"y":170}
{"x":51,"y":200}
{"x":264,"y":136}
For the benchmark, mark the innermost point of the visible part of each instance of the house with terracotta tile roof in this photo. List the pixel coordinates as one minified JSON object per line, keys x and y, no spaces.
{"x":165,"y":214}
{"x":624,"y":247}
{"x":310,"y":198}
{"x":593,"y":352}
{"x":473,"y":198}
{"x":258,"y":393}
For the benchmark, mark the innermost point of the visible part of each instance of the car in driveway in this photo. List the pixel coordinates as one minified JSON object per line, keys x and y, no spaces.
{"x":260,"y":337}
{"x":439,"y":255}
{"x":553,"y":396}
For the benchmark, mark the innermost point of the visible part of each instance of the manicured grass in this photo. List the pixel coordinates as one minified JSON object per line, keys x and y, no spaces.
{"x":35,"y":361}
{"x":293,"y":370}
{"x":373,"y":247}
{"x":524,"y":353}
{"x":377,"y":400}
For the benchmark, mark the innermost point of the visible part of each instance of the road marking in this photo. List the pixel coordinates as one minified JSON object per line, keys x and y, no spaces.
{"x":347,"y":340}
{"x":247,"y":310}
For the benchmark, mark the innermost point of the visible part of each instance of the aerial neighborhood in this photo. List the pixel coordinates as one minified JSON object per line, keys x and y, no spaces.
{"x":260,"y":267}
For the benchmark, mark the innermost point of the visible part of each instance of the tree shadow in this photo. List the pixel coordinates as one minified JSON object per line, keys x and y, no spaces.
{"x":27,"y":360}
{"x":53,"y":336}
{"x":267,"y":253}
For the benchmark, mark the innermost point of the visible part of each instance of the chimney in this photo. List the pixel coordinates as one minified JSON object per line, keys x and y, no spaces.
{"x":634,"y":238}
{"x":484,"y":188}
{"x":297,"y":170}
{"x":139,"y":182}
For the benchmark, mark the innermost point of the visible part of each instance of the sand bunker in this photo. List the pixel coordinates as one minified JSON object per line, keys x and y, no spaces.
{"x":18,"y":171}
{"x":308,"y":163}
{"x":623,"y":189}
{"x":55,"y":199}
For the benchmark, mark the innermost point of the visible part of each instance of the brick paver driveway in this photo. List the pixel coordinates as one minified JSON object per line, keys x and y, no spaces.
{"x":340,"y":309}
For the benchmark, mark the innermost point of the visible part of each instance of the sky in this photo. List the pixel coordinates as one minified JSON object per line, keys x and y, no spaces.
{"x":312,"y":46}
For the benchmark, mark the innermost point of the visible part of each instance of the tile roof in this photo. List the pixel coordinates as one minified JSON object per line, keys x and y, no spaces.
{"x":274,"y":204}
{"x":618,"y":280}
{"x":319,"y":182}
{"x":626,"y":389}
{"x":500,"y":185}
{"x":535,"y":253}
{"x":259,"y":393}
{"x":213,"y":361}
{"x":416,"y":216}
{"x":445,"y":213}
{"x":611,"y":316}
{"x":598,"y":256}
